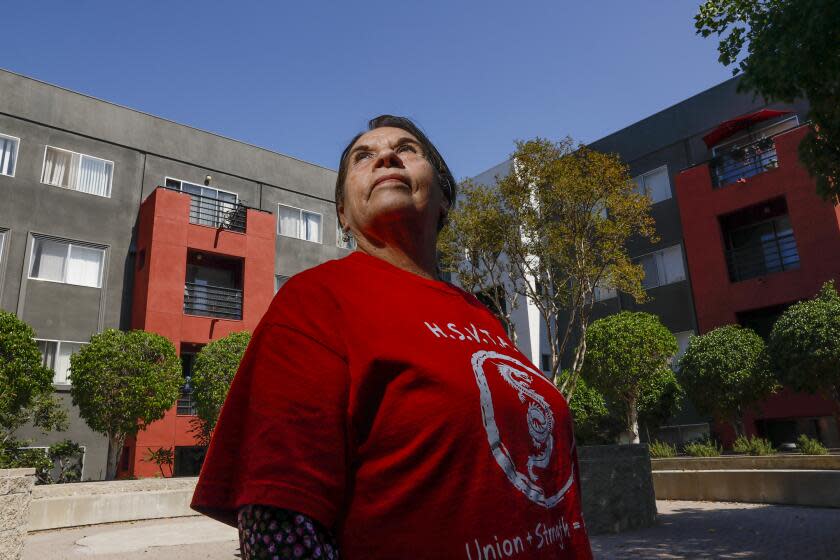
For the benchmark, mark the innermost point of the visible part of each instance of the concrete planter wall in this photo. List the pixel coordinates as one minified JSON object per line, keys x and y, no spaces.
{"x":617,"y":488}
{"x":801,"y":462}
{"x":763,"y":486}
{"x":89,"y":503}
{"x":15,"y":495}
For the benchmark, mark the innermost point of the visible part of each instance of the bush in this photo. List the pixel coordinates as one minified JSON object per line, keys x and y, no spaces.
{"x":753,"y":446}
{"x":705,"y":448}
{"x":661,"y":450}
{"x":808,"y":446}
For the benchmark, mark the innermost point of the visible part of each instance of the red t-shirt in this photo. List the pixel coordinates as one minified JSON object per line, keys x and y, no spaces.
{"x":396,"y":411}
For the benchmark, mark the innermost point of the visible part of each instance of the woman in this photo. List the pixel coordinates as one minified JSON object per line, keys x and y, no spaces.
{"x":382,"y":413}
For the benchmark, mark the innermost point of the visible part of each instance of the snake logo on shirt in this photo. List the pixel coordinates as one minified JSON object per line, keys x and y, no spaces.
{"x":538,"y":417}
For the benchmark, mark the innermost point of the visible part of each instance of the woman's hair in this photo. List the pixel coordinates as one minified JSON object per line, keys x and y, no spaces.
{"x":445,"y":179}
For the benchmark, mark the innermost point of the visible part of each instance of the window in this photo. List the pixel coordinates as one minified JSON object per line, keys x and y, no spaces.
{"x":209,"y":206}
{"x":2,"y":244}
{"x":605,"y":292}
{"x":545,"y":362}
{"x":8,"y":154}
{"x":662,"y":267}
{"x":295,"y":222}
{"x":279,"y":280}
{"x":55,"y":354}
{"x":655,"y":184}
{"x":339,"y":238}
{"x":683,"y":339}
{"x":65,"y":262}
{"x":78,"y":172}
{"x":213,"y":286}
{"x":185,"y":405}
{"x":759,"y":241}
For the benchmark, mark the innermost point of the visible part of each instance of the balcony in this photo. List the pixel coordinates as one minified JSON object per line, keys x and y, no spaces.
{"x":212,"y":208}
{"x":775,"y":254}
{"x":212,"y":301}
{"x":742,"y":162}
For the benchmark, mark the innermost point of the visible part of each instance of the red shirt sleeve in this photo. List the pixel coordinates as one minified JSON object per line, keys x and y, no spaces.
{"x":281,"y":439}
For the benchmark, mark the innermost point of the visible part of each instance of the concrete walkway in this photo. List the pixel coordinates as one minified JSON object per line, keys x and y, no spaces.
{"x":685,"y":530}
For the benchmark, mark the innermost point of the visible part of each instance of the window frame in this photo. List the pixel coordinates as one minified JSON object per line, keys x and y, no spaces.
{"x":300,"y":234}
{"x":17,"y":152}
{"x":57,"y":350}
{"x":46,"y":449}
{"x":651,"y":172}
{"x":100,"y":248}
{"x":637,"y":260}
{"x":168,"y":178}
{"x":75,"y":187}
{"x":2,"y":245}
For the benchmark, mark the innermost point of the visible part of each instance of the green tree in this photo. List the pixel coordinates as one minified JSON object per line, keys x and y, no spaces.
{"x":593,"y":422}
{"x":724,"y":372}
{"x":472,"y":244}
{"x":122,"y":382}
{"x":804,"y":345}
{"x":566,"y":213}
{"x":213,"y":371}
{"x":628,"y":361}
{"x":787,"y":49}
{"x":26,"y":389}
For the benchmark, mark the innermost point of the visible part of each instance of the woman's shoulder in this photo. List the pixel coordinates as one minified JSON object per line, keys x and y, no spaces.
{"x":309,"y":290}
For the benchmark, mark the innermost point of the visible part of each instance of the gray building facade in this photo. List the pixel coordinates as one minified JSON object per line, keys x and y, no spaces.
{"x":656,"y":149}
{"x":73,"y":173}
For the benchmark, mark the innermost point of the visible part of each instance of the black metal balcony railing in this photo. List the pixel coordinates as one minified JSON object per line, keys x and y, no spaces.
{"x":773,"y":255}
{"x":216,"y":213}
{"x":186,"y":401}
{"x":209,"y":211}
{"x":744,"y":161}
{"x":212,"y":301}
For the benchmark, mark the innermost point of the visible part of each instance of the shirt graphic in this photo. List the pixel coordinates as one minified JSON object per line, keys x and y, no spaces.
{"x":539,"y":418}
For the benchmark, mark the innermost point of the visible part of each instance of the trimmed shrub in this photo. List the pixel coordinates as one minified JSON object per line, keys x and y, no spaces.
{"x":808,"y":446}
{"x":705,"y":448}
{"x":753,"y":445}
{"x":661,"y":450}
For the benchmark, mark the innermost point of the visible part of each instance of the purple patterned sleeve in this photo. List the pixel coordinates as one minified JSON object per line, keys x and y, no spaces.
{"x":272,"y":533}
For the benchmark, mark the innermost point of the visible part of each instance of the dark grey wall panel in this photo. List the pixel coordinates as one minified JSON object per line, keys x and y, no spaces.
{"x":61,"y":311}
{"x":64,"y":109}
{"x":672,"y":303}
{"x":96,"y":445}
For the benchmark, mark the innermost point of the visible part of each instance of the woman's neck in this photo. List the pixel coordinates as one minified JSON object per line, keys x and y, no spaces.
{"x":418,"y":256}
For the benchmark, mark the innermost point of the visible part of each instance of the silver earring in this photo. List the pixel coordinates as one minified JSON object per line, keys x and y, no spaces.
{"x":346,"y":236}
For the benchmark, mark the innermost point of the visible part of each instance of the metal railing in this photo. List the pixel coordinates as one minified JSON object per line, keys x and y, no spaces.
{"x":744,"y":161}
{"x":212,"y":301}
{"x":208,"y":211}
{"x":186,"y":402}
{"x":773,"y":255}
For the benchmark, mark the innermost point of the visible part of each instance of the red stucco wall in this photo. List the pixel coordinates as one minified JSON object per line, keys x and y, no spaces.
{"x":165,"y":234}
{"x":816,"y":228}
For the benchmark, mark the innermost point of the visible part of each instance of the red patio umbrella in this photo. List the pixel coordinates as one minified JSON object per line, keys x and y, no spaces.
{"x":727,"y":128}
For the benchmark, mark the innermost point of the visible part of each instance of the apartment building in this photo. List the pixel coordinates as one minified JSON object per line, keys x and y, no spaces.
{"x":112,"y":218}
{"x":742,"y":235}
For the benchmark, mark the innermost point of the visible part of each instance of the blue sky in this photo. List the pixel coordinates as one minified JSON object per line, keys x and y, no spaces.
{"x":302,"y":77}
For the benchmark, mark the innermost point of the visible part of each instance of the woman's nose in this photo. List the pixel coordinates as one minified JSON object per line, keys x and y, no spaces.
{"x":388,"y":158}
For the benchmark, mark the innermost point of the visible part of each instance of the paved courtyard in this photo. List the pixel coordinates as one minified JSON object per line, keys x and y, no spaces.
{"x":685,"y":530}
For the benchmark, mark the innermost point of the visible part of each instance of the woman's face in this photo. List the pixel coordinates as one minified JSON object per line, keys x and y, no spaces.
{"x":389,"y":181}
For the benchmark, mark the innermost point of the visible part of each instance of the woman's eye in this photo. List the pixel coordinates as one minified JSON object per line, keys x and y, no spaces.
{"x":406,"y":148}
{"x":362,"y":155}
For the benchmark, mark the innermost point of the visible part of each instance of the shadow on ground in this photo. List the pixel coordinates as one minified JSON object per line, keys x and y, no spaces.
{"x":716,"y":530}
